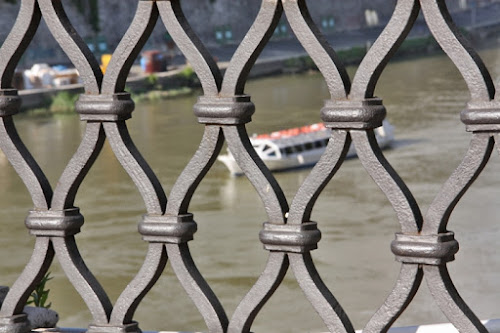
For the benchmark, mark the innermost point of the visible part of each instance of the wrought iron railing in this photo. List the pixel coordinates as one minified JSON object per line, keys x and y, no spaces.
{"x":424,"y":246}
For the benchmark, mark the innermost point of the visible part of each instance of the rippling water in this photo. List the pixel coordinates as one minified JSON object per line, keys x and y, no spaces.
{"x":423,"y":97}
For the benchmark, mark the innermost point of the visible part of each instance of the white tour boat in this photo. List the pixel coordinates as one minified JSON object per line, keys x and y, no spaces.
{"x":299,"y":147}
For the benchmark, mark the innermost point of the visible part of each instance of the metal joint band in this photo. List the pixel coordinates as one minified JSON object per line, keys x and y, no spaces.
{"x":482,"y":116}
{"x":295,"y":238}
{"x":10,"y":102}
{"x":425,"y":249}
{"x":55,"y":223}
{"x":224,"y":110}
{"x":348,"y":114}
{"x":108,"y":108}
{"x":168,"y":229}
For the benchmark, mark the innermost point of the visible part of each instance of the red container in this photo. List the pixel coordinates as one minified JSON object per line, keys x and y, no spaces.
{"x":153,"y":62}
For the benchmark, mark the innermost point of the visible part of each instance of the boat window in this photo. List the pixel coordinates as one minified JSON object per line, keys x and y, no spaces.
{"x":266,"y":147}
{"x":283,"y":152}
{"x":298,"y":148}
{"x":272,"y":153}
{"x":308,"y":146}
{"x":288,"y":150}
{"x":326,"y":141}
{"x":318,"y":144}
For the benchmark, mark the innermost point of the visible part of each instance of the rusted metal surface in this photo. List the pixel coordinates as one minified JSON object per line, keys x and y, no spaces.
{"x":424,"y":245}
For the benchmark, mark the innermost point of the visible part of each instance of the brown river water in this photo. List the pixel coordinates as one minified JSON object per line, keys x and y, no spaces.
{"x":423,"y":97}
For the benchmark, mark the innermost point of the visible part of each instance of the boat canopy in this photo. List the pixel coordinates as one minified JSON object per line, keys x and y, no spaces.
{"x":300,"y":139}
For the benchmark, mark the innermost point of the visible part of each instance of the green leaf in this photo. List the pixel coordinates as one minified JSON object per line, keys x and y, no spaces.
{"x":39,"y":295}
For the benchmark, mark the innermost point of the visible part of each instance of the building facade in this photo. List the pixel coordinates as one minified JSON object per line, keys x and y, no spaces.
{"x":217,"y":22}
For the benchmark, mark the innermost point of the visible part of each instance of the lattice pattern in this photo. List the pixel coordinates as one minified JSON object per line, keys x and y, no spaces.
{"x":424,"y":246}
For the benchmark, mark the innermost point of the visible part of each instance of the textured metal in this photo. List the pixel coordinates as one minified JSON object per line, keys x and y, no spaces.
{"x":424,"y":245}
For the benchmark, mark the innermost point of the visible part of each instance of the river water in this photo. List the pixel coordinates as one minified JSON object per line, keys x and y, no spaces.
{"x":424,"y":98}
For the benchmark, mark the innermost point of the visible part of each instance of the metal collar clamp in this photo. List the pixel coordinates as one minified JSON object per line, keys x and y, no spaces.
{"x":168,"y":229}
{"x":103,"y":108}
{"x":351,"y":114}
{"x":235,"y":110}
{"x":425,"y":249}
{"x":482,"y":116}
{"x":55,"y":223}
{"x":10,"y":102}
{"x":295,"y":238}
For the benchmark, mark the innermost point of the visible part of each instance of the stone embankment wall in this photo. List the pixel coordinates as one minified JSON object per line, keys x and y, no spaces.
{"x":209,"y":18}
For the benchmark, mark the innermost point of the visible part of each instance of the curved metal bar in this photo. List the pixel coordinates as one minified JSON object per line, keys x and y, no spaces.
{"x":72,"y":44}
{"x":322,"y":173}
{"x":252,"y":45}
{"x":396,"y":31}
{"x":129,"y":48}
{"x":197,"y":288}
{"x":17,"y":41}
{"x":308,"y":278}
{"x":78,"y":167}
{"x":409,"y":280}
{"x":131,"y":297}
{"x":464,"y":57}
{"x":388,"y":180}
{"x":317,"y":293}
{"x":450,"y":302}
{"x":316,"y":45}
{"x":132,"y":161}
{"x":24,"y":164}
{"x":276,"y":207}
{"x":195,"y":171}
{"x":262,"y":290}
{"x":496,"y":137}
{"x":186,"y":40}
{"x":261,"y":178}
{"x":82,"y":279}
{"x":35,"y":270}
{"x":475,"y":160}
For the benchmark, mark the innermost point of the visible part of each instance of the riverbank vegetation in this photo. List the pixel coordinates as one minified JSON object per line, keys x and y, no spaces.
{"x":63,"y":102}
{"x":413,"y":47}
{"x":155,"y":88}
{"x":158,"y":95}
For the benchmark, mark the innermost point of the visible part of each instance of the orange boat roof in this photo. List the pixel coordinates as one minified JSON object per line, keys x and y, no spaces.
{"x":292,"y":132}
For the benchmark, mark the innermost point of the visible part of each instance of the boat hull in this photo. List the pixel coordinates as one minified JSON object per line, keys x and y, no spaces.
{"x":304,"y":159}
{"x":299,"y":161}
